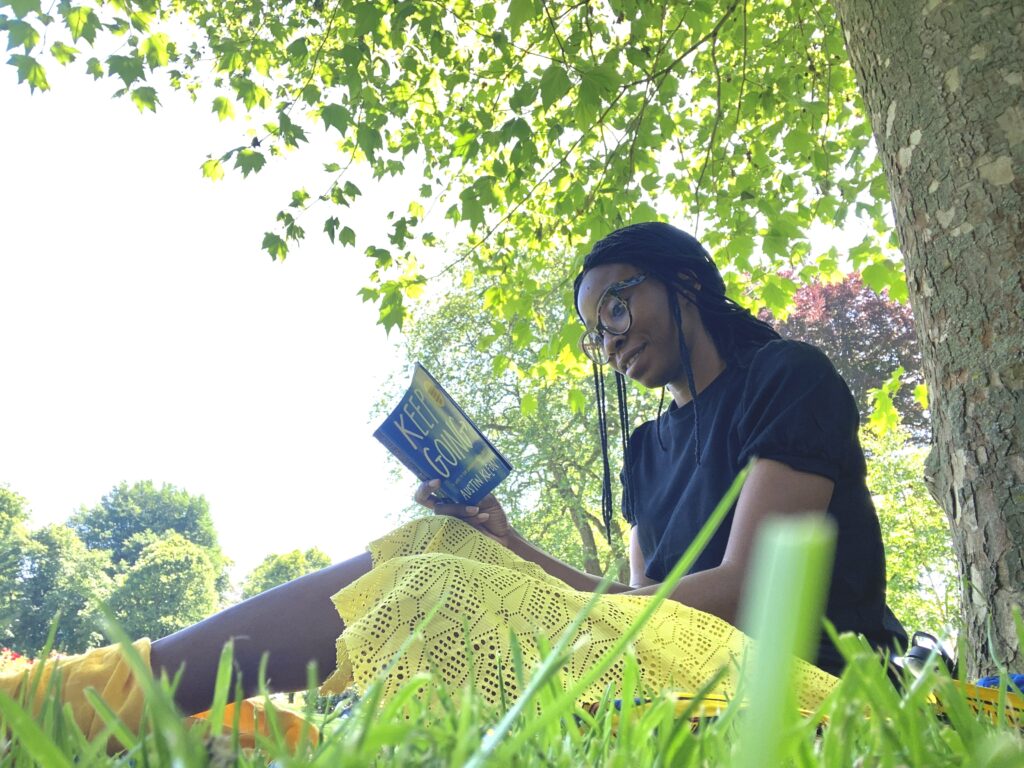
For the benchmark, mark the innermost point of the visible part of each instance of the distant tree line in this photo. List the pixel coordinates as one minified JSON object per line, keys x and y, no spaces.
{"x":149,"y":554}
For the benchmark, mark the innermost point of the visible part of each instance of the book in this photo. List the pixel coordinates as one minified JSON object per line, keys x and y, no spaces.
{"x":431,"y":435}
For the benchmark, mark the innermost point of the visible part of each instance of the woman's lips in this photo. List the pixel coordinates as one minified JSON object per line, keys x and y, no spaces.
{"x":629,"y":360}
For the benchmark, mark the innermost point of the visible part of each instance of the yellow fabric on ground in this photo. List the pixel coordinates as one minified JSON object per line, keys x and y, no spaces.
{"x":252,"y":720}
{"x":483,"y":592}
{"x":103,"y":669}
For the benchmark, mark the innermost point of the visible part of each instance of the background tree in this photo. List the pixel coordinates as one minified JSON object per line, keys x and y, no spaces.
{"x":59,"y":573}
{"x":124,"y":518}
{"x":867,"y":336}
{"x":545,"y":428}
{"x":14,"y":541}
{"x":923,"y":584}
{"x":543,"y":126}
{"x":277,"y":569}
{"x":172,"y":584}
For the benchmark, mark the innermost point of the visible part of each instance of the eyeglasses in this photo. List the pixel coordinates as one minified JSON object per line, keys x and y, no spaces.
{"x":613,"y":317}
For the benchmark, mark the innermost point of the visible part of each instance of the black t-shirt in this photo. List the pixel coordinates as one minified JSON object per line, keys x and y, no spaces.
{"x":786,"y":402}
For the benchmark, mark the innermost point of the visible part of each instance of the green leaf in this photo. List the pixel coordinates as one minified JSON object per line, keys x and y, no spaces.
{"x":155,"y":50}
{"x":335,"y":116}
{"x":223,"y":107}
{"x":577,"y":401}
{"x":275,"y":246}
{"x":30,"y":71}
{"x":347,"y":236}
{"x":880,"y":275}
{"x":23,"y":8}
{"x":554,"y":85}
{"x":250,"y":161}
{"x":298,"y":52}
{"x":145,"y":98}
{"x":128,"y":68}
{"x":213,"y":169}
{"x":519,"y":12}
{"x":368,"y":140}
{"x":368,"y":16}
{"x":64,"y":54}
{"x":921,"y":395}
{"x":21,"y":33}
{"x":252,"y":95}
{"x":528,"y":405}
{"x":523,"y":96}
{"x":884,"y":417}
{"x":597,"y":84}
{"x":82,"y":23}
{"x":331,"y":227}
{"x":95,"y":68}
{"x":310,"y":94}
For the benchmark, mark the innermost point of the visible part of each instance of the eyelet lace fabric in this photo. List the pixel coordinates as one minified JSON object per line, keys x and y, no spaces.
{"x":483,"y":593}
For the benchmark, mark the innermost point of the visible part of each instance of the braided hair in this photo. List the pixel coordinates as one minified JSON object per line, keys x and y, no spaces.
{"x":679,"y":262}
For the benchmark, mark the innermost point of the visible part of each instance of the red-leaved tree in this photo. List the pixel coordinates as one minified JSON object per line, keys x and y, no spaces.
{"x":867,"y":336}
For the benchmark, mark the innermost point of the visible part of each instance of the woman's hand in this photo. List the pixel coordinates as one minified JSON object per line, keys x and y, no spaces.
{"x":488,"y":517}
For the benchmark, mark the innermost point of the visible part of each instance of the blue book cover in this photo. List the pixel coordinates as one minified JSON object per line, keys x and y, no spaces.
{"x":431,"y":435}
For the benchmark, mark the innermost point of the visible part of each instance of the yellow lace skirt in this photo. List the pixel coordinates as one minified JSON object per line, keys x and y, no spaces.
{"x":485,"y":593}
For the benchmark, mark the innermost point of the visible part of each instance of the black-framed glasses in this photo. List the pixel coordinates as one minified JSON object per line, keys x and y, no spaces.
{"x":613,"y":317}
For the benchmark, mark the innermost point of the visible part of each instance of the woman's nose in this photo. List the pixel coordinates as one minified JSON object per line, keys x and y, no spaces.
{"x":612,"y":343}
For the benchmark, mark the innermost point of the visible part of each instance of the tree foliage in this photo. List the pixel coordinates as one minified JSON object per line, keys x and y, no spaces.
{"x":168,"y":572}
{"x":923,"y":582}
{"x":126,"y":518}
{"x":867,"y":335}
{"x":14,"y":540}
{"x":171,"y":585}
{"x":59,"y":574}
{"x":278,"y":569}
{"x":535,"y":127}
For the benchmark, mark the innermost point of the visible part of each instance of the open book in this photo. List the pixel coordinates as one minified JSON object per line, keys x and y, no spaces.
{"x":432,"y":436}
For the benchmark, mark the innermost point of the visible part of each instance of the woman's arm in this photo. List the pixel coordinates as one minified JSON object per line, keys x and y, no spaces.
{"x":637,"y":566}
{"x":772,"y":488}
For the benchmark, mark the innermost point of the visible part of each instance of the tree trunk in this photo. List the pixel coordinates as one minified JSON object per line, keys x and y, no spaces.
{"x":944,"y":87}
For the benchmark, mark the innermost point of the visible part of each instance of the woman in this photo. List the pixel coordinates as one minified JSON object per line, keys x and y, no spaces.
{"x":654,"y":308}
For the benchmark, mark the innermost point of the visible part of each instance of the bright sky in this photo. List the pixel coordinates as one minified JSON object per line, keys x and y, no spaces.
{"x":145,"y":335}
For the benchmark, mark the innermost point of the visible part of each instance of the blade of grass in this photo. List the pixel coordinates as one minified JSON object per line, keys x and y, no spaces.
{"x":785,"y":596}
{"x":221,"y":686}
{"x":30,"y":736}
{"x":109,"y":717}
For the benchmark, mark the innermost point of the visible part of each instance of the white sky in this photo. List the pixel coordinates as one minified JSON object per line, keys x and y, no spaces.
{"x":145,"y":335}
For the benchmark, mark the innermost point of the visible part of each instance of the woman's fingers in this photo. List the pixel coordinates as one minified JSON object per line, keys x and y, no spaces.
{"x":424,"y":494}
{"x":457,"y":510}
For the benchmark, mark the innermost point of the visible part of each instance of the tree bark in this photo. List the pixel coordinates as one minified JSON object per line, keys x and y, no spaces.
{"x":943,"y":82}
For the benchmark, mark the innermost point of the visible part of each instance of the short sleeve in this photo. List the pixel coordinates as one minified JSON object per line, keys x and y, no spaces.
{"x":796,"y":409}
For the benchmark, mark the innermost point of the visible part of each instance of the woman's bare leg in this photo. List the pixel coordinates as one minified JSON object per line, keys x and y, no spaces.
{"x":294,"y":623}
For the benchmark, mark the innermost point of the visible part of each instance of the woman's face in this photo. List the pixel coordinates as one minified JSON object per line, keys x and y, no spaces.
{"x":649,"y":351}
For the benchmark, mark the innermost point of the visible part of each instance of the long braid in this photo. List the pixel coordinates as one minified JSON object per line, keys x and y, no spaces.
{"x":684,"y":354}
{"x":602,"y":429}
{"x":624,"y":431}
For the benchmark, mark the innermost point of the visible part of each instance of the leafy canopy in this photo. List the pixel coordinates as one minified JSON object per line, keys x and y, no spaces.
{"x":537,"y":127}
{"x":278,"y":569}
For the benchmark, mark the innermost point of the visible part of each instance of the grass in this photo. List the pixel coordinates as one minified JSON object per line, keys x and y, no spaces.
{"x":864,"y":722}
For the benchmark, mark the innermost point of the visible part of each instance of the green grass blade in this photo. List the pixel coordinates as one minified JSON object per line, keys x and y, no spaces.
{"x":221,"y":687}
{"x":109,"y":717}
{"x":30,"y":736}
{"x":784,"y":599}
